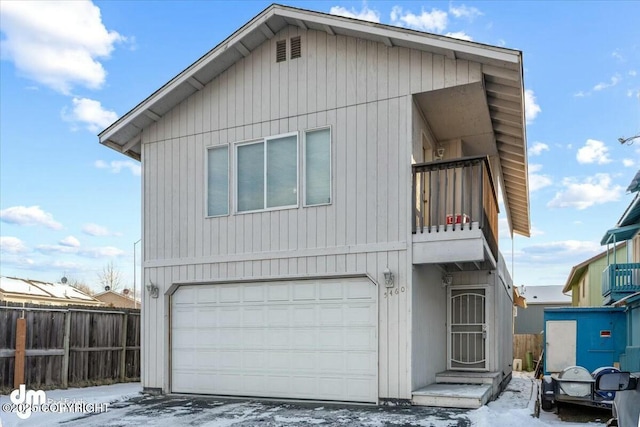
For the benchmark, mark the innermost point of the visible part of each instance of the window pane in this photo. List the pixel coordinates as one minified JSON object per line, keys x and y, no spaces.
{"x":250,"y":177}
{"x":318,"y":167}
{"x":282,"y":171}
{"x":218,"y":181}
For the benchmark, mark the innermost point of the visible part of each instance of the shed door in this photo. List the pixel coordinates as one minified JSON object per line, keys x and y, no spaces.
{"x":307,"y":339}
{"x":561,"y":346}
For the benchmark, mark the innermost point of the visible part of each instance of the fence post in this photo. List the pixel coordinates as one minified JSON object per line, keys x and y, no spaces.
{"x":21,"y":339}
{"x":65,"y":357}
{"x":123,"y":353}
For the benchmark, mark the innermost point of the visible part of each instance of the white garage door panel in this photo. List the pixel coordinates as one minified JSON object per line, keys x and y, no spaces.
{"x":312,"y":339}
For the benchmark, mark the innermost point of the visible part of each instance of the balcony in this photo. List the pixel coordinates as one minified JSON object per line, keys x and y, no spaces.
{"x":455,"y":220}
{"x":620,"y":280}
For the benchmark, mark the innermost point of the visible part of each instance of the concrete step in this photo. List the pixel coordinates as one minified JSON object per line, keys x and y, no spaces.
{"x":467,"y":396}
{"x":456,"y":377}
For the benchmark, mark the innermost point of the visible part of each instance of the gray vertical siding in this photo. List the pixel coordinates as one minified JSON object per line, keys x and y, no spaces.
{"x":363,"y":91}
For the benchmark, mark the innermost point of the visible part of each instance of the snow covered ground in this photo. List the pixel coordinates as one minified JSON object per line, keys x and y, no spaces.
{"x":128,"y":407}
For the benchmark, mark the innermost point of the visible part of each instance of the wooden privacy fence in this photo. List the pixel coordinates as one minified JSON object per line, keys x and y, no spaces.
{"x":523,"y":343}
{"x":46,"y":347}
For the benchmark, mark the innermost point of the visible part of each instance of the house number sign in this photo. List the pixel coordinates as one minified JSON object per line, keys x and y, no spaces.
{"x":396,"y":291}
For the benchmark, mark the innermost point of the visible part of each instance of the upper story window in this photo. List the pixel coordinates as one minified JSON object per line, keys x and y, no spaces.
{"x":267,"y":173}
{"x":317,"y":167}
{"x":218,"y":181}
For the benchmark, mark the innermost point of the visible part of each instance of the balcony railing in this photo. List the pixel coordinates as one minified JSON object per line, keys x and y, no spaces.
{"x":620,"y":278}
{"x":453,"y":196}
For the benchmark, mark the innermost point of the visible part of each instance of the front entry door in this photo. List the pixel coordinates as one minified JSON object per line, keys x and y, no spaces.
{"x":468,"y":330}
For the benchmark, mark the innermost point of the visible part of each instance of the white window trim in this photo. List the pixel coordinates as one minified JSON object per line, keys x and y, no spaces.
{"x":206,"y":180}
{"x":304,"y":166}
{"x":264,"y":199}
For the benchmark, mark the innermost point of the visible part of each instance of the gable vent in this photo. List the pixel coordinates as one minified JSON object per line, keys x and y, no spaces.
{"x":296,"y":47}
{"x":281,"y":51}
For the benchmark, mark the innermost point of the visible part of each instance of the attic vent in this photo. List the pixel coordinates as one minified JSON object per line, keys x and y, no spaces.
{"x":281,"y":51}
{"x":296,"y":47}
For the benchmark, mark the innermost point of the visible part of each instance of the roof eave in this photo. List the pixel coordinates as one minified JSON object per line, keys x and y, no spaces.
{"x":399,"y":36}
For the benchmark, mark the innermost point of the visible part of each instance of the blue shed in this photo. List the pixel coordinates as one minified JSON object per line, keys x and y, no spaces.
{"x":591,"y":337}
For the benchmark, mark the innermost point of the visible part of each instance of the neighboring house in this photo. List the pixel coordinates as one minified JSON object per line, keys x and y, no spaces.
{"x":530,"y":320}
{"x":320,"y":213}
{"x":115,"y":299}
{"x":13,"y":289}
{"x":621,"y":278}
{"x":585,"y":279}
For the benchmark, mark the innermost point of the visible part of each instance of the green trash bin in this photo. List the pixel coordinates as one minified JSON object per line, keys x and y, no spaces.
{"x":528,"y":364}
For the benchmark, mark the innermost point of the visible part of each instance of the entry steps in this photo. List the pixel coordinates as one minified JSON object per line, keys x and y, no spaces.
{"x":453,"y":389}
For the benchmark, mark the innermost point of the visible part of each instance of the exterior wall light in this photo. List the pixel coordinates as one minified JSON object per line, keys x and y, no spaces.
{"x":153,"y":290}
{"x":447,"y":280}
{"x":388,"y":278}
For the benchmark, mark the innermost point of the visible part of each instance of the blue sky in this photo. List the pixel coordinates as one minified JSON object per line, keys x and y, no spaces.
{"x":69,"y":206}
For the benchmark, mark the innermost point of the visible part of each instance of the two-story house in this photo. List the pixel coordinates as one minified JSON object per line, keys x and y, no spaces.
{"x":621,"y":277}
{"x":320,"y":213}
{"x":585,"y":280}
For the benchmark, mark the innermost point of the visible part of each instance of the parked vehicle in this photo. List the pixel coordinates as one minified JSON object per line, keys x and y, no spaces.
{"x":626,"y":405}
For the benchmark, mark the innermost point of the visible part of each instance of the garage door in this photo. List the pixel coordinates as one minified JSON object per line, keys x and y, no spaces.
{"x":309,"y":339}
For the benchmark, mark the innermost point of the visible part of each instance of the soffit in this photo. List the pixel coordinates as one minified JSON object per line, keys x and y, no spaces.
{"x":488,"y":116}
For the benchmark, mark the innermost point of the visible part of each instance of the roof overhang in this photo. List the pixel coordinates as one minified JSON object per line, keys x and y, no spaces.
{"x":518,"y":300}
{"x":488,"y":117}
{"x":628,"y":225}
{"x":578,"y":270}
{"x":634,"y":185}
{"x":620,"y":234}
{"x":628,"y":299}
{"x":125,"y":134}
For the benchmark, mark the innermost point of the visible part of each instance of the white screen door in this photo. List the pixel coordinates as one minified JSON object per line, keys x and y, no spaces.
{"x":468,"y":329}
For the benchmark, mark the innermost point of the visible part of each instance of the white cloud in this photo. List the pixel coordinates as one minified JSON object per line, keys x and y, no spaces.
{"x":617,"y":55}
{"x":90,"y":113}
{"x":537,"y":148}
{"x":96,"y":252}
{"x":95,"y":230}
{"x":462,"y":11}
{"x":70,"y":241}
{"x":566,"y":247}
{"x":365,"y":14}
{"x":460,"y":35}
{"x":593,"y":151}
{"x":436,"y":20}
{"x":615,"y":79}
{"x":633,"y":73}
{"x":535,"y":231}
{"x":31,"y":215}
{"x":116,"y":166}
{"x":56,"y":249}
{"x":581,"y":94}
{"x":12,"y":245}
{"x":538,"y":181}
{"x":594,"y":190}
{"x":57,"y":44}
{"x":101,"y":252}
{"x":531,"y":107}
{"x":628,"y":163}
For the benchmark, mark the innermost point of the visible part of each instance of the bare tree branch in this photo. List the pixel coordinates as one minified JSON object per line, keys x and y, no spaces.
{"x":110,"y":277}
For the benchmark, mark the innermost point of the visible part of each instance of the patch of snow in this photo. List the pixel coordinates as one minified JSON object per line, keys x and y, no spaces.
{"x":109,"y":394}
{"x":298,"y":420}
